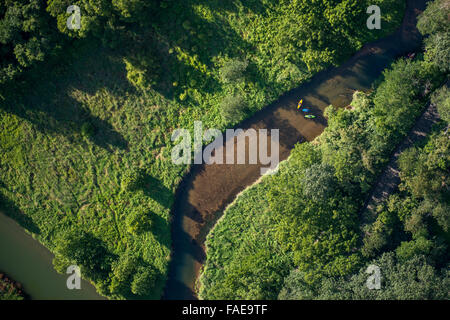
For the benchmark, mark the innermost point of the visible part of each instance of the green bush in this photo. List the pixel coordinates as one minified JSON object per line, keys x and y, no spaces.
{"x":86,"y":251}
{"x":133,"y":179}
{"x":143,"y":281}
{"x":9,"y":290}
{"x":319,"y":182}
{"x":27,"y":36}
{"x":87,"y":130}
{"x":123,"y":270}
{"x":138,"y":221}
{"x":441,"y":98}
{"x":233,"y":109}
{"x":434,"y":22}
{"x":233,"y":70}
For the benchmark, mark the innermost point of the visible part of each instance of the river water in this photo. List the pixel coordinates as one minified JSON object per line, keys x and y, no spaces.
{"x":27,"y":261}
{"x":207,"y":189}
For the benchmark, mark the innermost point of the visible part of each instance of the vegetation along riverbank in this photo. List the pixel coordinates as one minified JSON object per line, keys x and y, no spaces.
{"x":9,"y":289}
{"x":296,"y":234}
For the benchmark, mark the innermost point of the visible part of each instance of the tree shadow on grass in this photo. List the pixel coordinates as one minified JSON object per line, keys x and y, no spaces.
{"x":11,"y":210}
{"x":158,"y":226}
{"x":159,"y":230}
{"x":45,"y":98}
{"x":155,"y":189}
{"x":185,"y":42}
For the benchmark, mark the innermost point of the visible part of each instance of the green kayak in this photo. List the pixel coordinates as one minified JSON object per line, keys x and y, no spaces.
{"x":310,"y":116}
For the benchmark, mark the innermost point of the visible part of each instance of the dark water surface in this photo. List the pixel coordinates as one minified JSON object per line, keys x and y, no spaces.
{"x":207,"y":189}
{"x":30,"y":263}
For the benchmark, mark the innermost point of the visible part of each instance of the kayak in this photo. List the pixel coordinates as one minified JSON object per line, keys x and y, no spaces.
{"x":310,"y":116}
{"x":300,"y":104}
{"x":305,"y":110}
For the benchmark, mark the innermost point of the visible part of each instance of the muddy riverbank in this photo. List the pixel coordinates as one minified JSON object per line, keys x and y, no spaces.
{"x":207,"y":189}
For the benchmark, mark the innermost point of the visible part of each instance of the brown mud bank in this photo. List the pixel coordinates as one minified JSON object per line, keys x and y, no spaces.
{"x":208,"y":189}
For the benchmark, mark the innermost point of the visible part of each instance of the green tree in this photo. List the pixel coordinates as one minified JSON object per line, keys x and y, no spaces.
{"x":233,"y":109}
{"x":441,"y":98}
{"x":434,"y":22}
{"x":138,"y":221}
{"x":438,"y":50}
{"x":88,"y":252}
{"x":409,"y":249}
{"x":233,"y":70}
{"x":122,"y":273}
{"x":103,"y":18}
{"x":319,"y":182}
{"x":435,"y":18}
{"x":144,"y":280}
{"x":27,"y":36}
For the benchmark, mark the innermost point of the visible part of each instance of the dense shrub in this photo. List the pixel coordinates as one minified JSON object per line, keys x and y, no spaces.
{"x":27,"y":36}
{"x":84,"y":250}
{"x":10,"y":290}
{"x":413,"y":279}
{"x":143,"y":281}
{"x":319,"y":182}
{"x":233,"y":108}
{"x":138,"y":221}
{"x":434,"y":22}
{"x":233,"y":70}
{"x":441,"y":98}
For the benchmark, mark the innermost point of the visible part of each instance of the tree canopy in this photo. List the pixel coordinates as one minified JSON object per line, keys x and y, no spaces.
{"x":27,"y":36}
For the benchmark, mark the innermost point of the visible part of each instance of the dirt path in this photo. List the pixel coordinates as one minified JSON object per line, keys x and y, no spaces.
{"x":388,"y":181}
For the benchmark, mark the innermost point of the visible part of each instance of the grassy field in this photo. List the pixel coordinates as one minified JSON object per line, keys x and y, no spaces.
{"x":74,"y":132}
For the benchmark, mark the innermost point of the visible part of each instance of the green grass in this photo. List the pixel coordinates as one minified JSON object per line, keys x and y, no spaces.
{"x":75,"y":127}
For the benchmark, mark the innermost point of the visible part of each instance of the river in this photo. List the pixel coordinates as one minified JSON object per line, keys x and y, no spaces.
{"x":28,"y":262}
{"x":208,"y":189}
